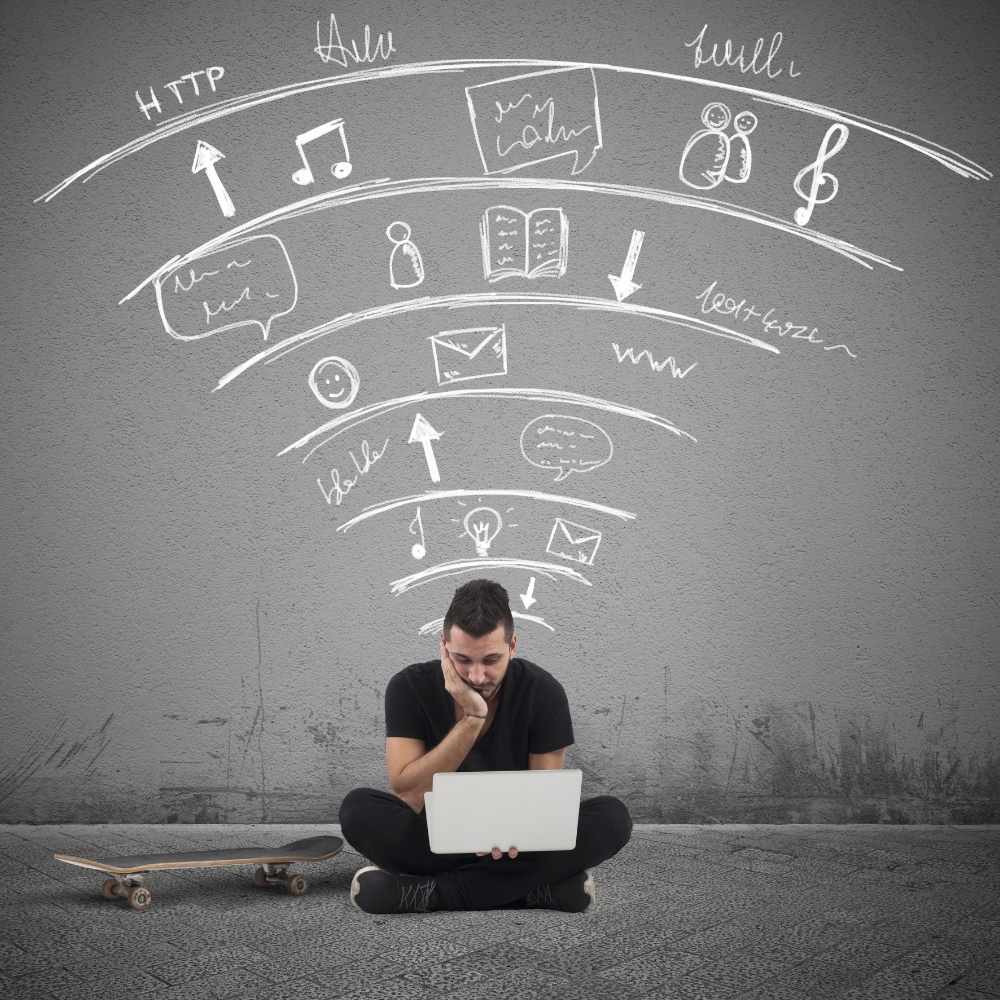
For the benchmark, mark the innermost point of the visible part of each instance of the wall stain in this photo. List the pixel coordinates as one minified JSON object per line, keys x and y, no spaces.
{"x":780,"y":767}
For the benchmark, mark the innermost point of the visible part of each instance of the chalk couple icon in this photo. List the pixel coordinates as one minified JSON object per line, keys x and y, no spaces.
{"x":706,"y":158}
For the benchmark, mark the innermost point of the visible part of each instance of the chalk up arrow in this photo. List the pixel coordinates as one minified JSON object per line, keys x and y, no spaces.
{"x":205,"y":158}
{"x":624,"y":285}
{"x":425,"y":434}
{"x":526,"y":599}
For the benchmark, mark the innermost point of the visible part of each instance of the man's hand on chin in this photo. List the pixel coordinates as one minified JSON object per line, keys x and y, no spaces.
{"x":467,"y":697}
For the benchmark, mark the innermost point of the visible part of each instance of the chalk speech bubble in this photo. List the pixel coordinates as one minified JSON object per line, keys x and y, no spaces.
{"x":250,"y":283}
{"x":565,"y":444}
{"x":536,"y":117}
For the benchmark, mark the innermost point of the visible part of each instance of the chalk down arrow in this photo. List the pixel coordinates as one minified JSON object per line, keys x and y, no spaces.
{"x":205,"y":158}
{"x":623,"y":283}
{"x":526,"y":599}
{"x":424,"y":433}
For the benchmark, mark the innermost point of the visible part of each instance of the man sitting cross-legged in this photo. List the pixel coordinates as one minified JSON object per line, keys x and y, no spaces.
{"x":478,"y":708}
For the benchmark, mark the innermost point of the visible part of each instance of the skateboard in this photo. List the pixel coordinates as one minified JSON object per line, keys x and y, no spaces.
{"x":273,"y":863}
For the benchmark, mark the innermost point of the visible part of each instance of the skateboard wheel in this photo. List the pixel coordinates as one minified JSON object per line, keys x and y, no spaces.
{"x":260,"y":877}
{"x":140,"y":897}
{"x":297,"y":885}
{"x":109,"y":888}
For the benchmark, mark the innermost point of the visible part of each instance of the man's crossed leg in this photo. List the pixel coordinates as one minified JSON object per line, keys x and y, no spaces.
{"x":410,"y":878}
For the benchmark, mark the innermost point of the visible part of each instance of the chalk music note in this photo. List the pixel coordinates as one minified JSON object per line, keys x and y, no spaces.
{"x":419,"y":549}
{"x":340,"y":169}
{"x":819,"y":178}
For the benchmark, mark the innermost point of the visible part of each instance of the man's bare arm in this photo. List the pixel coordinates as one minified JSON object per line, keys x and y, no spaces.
{"x":412,"y":766}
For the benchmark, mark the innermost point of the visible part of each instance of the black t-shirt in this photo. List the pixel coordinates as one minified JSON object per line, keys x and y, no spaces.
{"x":532,"y":715}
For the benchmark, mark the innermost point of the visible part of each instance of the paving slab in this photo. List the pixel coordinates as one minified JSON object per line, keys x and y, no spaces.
{"x":692,"y":912}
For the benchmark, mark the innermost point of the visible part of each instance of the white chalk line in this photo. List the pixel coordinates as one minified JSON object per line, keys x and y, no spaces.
{"x":429,"y":628}
{"x":418,"y":498}
{"x":956,"y":162}
{"x":549,"y":570}
{"x":386,"y":188}
{"x":348,"y":420}
{"x":471,"y":300}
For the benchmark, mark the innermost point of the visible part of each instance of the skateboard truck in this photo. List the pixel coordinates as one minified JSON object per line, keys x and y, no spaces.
{"x":278,"y":875}
{"x":128,"y":887}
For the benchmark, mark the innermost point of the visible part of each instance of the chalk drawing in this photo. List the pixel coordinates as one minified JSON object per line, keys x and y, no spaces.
{"x":333,"y":50}
{"x":565,"y":444}
{"x":528,"y":598}
{"x":743,"y":124}
{"x":339,"y":488}
{"x":419,"y":549}
{"x":340,"y":168}
{"x":384,"y":188}
{"x":957,"y":163}
{"x":526,"y":120}
{"x":583,"y":303}
{"x":434,"y":627}
{"x":482,"y":525}
{"x":406,"y":266}
{"x":819,"y":177}
{"x":332,"y":428}
{"x":213,"y":74}
{"x":657,"y":366}
{"x":520,"y":244}
{"x":334,"y":382}
{"x":728,"y":58}
{"x":417,"y":498}
{"x":459,"y":566}
{"x":462,"y":355}
{"x":718,"y":302}
{"x":706,"y":155}
{"x":205,"y":158}
{"x":249,"y":283}
{"x":423,"y":433}
{"x":622,"y":283}
{"x":572,"y":541}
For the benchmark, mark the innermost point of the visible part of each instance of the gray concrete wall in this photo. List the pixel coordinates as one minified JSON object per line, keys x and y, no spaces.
{"x":800,"y":620}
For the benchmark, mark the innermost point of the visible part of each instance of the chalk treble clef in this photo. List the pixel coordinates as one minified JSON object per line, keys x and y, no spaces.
{"x":819,"y":178}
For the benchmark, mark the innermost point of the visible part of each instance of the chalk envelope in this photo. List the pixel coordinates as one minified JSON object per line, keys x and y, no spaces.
{"x":461,"y":355}
{"x":248,"y":283}
{"x":524,"y":120}
{"x":572,"y":541}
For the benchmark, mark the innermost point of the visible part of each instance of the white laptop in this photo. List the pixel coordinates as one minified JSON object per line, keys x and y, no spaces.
{"x":470,"y":811}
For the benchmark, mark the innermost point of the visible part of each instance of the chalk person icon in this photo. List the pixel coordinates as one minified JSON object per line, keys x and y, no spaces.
{"x":706,"y":157}
{"x":739,"y":146}
{"x":406,"y":267}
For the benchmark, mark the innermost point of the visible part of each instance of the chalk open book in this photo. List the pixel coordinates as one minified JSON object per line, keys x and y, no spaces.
{"x":520,"y":244}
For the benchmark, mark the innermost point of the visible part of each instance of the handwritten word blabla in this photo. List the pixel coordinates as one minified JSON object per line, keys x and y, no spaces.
{"x":657,"y":366}
{"x":213,"y":74}
{"x":339,"y":488}
{"x":341,"y":54}
{"x":728,"y":58}
{"x":718,"y":302}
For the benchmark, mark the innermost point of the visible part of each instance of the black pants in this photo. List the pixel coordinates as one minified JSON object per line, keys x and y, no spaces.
{"x":389,"y":833}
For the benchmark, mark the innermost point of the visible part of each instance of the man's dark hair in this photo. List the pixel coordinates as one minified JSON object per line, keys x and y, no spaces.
{"x":479,"y":607}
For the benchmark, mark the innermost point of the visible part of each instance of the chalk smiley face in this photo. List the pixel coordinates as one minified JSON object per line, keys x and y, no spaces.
{"x":334,"y":382}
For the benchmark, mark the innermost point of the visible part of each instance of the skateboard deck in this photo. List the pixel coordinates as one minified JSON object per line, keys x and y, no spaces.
{"x":273,"y":862}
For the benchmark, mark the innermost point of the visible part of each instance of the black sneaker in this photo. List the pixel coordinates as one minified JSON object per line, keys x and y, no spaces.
{"x":572,"y":895}
{"x":376,"y":891}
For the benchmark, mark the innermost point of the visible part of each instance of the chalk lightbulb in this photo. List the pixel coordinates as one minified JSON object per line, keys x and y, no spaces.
{"x":482,"y":525}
